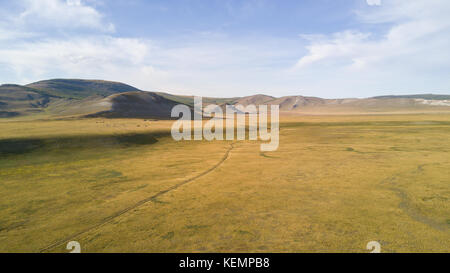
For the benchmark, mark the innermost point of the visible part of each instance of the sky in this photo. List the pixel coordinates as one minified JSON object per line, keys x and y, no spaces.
{"x":227,"y":48}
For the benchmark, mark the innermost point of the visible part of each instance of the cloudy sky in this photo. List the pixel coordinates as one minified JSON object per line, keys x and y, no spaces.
{"x":326,"y":48}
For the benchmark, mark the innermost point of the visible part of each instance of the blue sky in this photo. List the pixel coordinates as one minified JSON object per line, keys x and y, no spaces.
{"x":325,"y":48}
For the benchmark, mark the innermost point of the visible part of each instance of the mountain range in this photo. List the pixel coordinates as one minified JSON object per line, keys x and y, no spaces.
{"x":96,"y":98}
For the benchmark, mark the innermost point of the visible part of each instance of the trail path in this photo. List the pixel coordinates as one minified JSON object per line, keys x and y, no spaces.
{"x":138,"y":204}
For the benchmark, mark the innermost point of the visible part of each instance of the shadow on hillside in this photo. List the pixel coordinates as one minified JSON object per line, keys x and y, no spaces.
{"x":23,"y":146}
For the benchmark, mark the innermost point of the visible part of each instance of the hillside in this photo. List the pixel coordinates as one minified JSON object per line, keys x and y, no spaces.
{"x":79,"y":89}
{"x":256,"y":100}
{"x":18,"y":100}
{"x":293,"y":103}
{"x":71,"y":97}
{"x":137,"y":104}
{"x":189,"y":100}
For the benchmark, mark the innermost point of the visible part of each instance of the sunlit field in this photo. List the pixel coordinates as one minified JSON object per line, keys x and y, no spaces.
{"x":124,"y":185}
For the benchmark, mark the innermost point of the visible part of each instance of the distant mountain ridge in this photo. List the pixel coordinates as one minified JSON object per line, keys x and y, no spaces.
{"x":98,"y":98}
{"x":418,"y":96}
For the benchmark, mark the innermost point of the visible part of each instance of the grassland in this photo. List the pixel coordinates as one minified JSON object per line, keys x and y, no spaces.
{"x":123,"y":185}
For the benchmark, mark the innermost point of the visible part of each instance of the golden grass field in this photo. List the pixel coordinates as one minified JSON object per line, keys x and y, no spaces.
{"x":123,"y":185}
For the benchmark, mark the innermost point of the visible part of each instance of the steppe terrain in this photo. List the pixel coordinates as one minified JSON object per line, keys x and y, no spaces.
{"x":94,"y":162}
{"x":123,"y":185}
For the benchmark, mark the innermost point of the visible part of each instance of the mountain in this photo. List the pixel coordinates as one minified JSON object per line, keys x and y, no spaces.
{"x":79,"y":89}
{"x":97,"y":98}
{"x":72,"y":97}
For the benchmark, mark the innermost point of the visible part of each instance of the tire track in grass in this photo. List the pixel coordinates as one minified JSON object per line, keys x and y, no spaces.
{"x":138,"y":204}
{"x":406,"y":204}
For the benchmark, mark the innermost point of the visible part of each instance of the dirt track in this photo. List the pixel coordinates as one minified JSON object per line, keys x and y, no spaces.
{"x":138,"y":204}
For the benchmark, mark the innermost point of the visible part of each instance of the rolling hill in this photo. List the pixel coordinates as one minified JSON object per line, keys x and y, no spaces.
{"x":97,"y":98}
{"x":72,"y":97}
{"x":137,"y":104}
{"x":289,"y":103}
{"x":189,"y":100}
{"x":314,"y":105}
{"x":79,"y":89}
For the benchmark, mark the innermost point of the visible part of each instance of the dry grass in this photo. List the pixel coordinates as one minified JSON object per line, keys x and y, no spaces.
{"x":336,"y":183}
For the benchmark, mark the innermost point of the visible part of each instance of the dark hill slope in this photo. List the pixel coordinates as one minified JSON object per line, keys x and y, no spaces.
{"x":79,"y":89}
{"x":136,"y":104}
{"x":18,"y":100}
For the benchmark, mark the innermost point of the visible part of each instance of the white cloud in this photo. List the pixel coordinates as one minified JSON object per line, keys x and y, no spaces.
{"x":35,"y":51}
{"x":8,"y":34}
{"x":373,"y":2}
{"x":63,"y":14}
{"x":85,"y":56}
{"x":339,"y":45}
{"x":416,"y":34}
{"x":414,"y":47}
